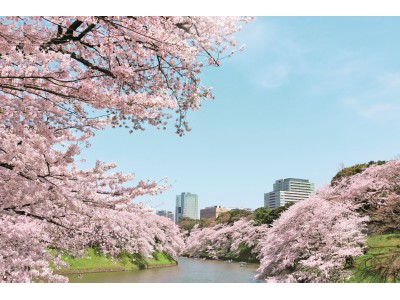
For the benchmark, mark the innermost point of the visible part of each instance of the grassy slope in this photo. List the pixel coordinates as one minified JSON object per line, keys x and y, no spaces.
{"x":93,"y":259}
{"x":380,"y":261}
{"x":159,"y":258}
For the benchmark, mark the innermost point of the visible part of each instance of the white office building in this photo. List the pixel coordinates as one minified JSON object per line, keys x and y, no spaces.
{"x":288,"y":190}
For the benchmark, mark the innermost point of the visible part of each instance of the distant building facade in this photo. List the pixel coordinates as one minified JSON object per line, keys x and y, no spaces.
{"x":167,"y":214}
{"x":187,"y":205}
{"x":212,"y":212}
{"x":288,"y":190}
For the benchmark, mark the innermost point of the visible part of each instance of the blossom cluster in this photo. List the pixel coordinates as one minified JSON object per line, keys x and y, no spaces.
{"x":223,"y":239}
{"x":312,"y":242}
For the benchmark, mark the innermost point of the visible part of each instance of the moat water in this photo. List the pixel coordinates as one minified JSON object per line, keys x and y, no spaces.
{"x":187,"y":270}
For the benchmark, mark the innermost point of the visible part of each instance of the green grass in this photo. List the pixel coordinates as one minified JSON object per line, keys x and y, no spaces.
{"x":160,"y":258}
{"x":381,"y":262}
{"x":93,"y":259}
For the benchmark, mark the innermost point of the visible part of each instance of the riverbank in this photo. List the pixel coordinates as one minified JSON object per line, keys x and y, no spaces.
{"x":93,"y":262}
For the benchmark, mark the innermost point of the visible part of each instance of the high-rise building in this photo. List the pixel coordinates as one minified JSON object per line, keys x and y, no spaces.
{"x":212,"y":211}
{"x":186,"y":206}
{"x":167,"y":214}
{"x":288,"y":190}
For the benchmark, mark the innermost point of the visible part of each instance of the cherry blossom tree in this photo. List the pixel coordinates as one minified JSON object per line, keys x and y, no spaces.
{"x":222,"y":239}
{"x":376,"y":190}
{"x":61,"y":80}
{"x":313,"y":241}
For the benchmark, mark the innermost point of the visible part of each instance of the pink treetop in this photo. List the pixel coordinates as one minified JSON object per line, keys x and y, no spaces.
{"x":377,"y":193}
{"x":63,"y":78}
{"x":131,"y":68}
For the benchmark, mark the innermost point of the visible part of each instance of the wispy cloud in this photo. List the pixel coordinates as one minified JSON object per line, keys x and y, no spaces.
{"x":377,"y":112}
{"x":272,"y":55}
{"x":380,"y":101}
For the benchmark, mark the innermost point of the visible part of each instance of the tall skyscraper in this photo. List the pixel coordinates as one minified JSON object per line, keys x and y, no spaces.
{"x":167,"y":214}
{"x":288,"y":190}
{"x":186,"y":206}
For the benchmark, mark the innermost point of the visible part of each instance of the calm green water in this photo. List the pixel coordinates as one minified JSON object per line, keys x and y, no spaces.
{"x":188,"y":270}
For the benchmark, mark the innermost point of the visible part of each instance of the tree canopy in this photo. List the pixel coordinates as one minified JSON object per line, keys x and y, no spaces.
{"x":264,"y":215}
{"x":61,"y":80}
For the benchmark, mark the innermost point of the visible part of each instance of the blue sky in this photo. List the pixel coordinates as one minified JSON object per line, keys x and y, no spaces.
{"x":307,"y":94}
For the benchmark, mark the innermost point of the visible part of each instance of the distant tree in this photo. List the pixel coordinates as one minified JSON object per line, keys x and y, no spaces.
{"x":187,"y":224}
{"x":209,"y":222}
{"x":226,"y":240}
{"x":349,"y":171}
{"x":264,"y":215}
{"x":229,"y":217}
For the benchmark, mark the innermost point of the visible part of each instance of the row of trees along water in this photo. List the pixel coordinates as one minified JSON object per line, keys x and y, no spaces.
{"x":321,"y":239}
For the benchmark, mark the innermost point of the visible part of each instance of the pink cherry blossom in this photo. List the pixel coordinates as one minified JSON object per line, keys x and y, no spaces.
{"x":376,"y":192}
{"x":61,"y":80}
{"x":220,"y":239}
{"x":312,"y":241}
